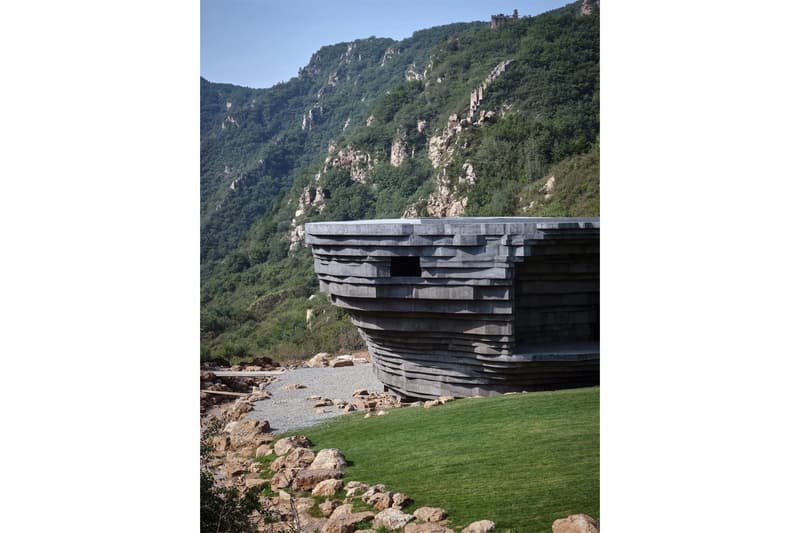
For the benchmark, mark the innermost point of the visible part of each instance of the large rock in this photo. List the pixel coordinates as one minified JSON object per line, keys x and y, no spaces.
{"x":248,"y":433}
{"x":263,"y":451}
{"x":380,"y":500}
{"x":338,"y":363}
{"x":430,"y":514}
{"x":400,"y":500}
{"x":233,"y":468}
{"x":327,"y":507}
{"x":391,"y":519}
{"x":309,"y":523}
{"x":353,"y":488}
{"x":344,"y":520}
{"x":308,"y":478}
{"x":329,"y":458}
{"x":285,"y":445}
{"x":327,"y":487}
{"x":298,"y":458}
{"x":576,"y":523}
{"x":427,"y":527}
{"x":255,"y":482}
{"x":282,"y":480}
{"x":481,"y":526}
{"x":319,"y":360}
{"x":374,"y":489}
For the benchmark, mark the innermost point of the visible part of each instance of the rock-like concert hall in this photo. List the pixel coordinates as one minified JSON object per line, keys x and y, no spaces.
{"x":468,"y":306}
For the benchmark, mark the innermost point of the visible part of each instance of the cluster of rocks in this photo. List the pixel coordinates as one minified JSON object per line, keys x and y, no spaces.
{"x":324,"y":359}
{"x":346,"y":506}
{"x":362,"y":400}
{"x":217,"y":391}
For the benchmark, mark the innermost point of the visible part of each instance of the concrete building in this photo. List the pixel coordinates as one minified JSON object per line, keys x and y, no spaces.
{"x":466,"y":306}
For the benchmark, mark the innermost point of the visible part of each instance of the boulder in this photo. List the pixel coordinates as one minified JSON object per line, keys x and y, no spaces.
{"x":431,"y":403}
{"x":239,"y":408}
{"x":281,"y":480}
{"x":445,"y":399}
{"x":323,"y":403}
{"x":481,"y":526}
{"x":430,"y":514}
{"x":380,"y":500}
{"x":344,"y":520}
{"x":400,"y":500}
{"x":220,"y":443}
{"x":374,"y":489}
{"x":233,"y":468}
{"x":576,"y":523}
{"x":248,"y":433}
{"x":285,"y":445}
{"x":353,"y":488}
{"x":304,"y":505}
{"x":359,"y":392}
{"x":427,"y":527}
{"x":299,"y":458}
{"x":327,"y":487}
{"x":338,"y":363}
{"x":255,"y":482}
{"x":329,"y":458}
{"x":263,"y":450}
{"x":327,"y":507}
{"x":293,"y":386}
{"x":319,"y":360}
{"x":308,"y":522}
{"x":308,"y":478}
{"x":391,"y":519}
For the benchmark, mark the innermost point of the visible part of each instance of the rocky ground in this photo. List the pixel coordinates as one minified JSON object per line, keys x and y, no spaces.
{"x":300,"y":490}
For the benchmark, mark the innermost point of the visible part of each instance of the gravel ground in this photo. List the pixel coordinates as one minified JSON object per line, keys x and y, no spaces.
{"x":289,"y":410}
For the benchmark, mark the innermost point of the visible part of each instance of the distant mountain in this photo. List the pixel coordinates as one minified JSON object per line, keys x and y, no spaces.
{"x":464,"y":119}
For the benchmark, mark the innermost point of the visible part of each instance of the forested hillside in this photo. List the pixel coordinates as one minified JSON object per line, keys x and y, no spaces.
{"x":456,"y":120}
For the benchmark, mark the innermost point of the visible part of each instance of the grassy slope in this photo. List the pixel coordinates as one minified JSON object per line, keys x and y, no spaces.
{"x":520,"y":460}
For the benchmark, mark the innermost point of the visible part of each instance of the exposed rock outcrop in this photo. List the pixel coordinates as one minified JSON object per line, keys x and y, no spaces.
{"x":398,"y":153}
{"x":588,"y":6}
{"x":477,"y":96}
{"x":389,"y":53}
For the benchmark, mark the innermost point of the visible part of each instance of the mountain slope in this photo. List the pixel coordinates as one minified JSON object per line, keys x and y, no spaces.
{"x":254,"y":140}
{"x":461,"y":119}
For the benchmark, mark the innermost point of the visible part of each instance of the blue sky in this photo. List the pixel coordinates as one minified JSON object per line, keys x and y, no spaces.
{"x":259,"y":43}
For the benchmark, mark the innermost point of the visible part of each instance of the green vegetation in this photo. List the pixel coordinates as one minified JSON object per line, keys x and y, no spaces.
{"x":521,"y":460}
{"x":254,"y":290}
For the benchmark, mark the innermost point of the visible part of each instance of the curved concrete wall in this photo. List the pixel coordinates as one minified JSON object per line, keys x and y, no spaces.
{"x":466,"y":306}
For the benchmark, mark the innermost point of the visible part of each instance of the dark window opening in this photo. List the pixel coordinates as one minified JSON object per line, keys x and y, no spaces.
{"x":405,"y":266}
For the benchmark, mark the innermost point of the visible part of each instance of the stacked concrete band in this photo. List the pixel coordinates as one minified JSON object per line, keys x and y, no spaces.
{"x":468,"y":306}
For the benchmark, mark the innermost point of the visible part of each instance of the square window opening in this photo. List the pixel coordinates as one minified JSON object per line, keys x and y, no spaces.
{"x":405,"y":266}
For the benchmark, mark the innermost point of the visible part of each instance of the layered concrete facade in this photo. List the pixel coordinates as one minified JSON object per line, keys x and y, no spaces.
{"x":466,"y":306}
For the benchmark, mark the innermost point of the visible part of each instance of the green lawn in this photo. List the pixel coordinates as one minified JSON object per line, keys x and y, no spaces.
{"x":521,"y":460}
